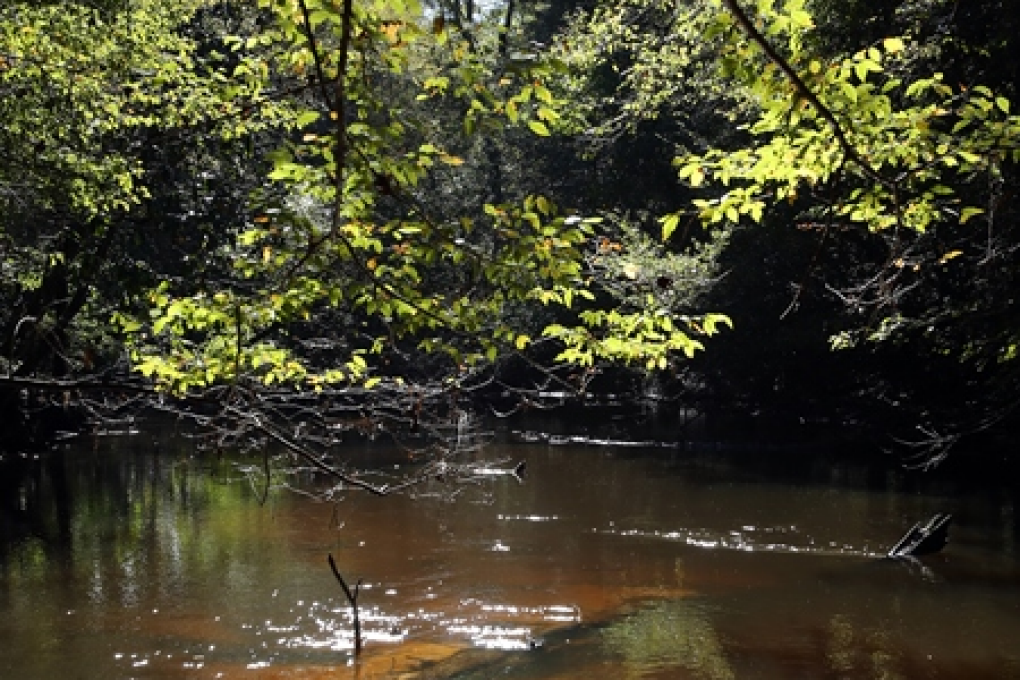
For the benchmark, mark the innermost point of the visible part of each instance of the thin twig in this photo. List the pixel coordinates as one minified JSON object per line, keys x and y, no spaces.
{"x":352,"y":597}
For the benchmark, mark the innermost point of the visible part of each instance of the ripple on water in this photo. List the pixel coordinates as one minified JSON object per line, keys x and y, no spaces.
{"x":747,"y":539}
{"x":528,"y":518}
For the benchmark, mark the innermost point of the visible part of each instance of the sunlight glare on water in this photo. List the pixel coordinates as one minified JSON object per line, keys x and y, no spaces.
{"x":783,"y":539}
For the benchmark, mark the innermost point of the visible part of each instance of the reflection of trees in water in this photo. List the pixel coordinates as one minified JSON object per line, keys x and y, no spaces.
{"x":35,"y":504}
{"x":853,"y":652}
{"x":669,"y":634}
{"x":126,"y":508}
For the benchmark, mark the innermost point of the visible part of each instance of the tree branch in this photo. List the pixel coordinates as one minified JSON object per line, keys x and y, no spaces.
{"x":802,"y":88}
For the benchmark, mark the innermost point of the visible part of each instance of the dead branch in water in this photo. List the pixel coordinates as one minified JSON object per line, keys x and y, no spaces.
{"x":352,"y":597}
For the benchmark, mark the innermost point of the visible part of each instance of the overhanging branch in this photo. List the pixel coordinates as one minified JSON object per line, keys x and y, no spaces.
{"x":748,"y":27}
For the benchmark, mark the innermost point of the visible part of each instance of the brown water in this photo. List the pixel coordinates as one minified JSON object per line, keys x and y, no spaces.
{"x":118,"y":560}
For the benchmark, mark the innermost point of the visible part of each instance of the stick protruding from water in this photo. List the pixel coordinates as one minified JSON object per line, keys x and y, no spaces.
{"x":352,"y":597}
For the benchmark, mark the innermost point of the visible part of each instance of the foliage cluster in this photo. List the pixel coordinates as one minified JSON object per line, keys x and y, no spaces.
{"x":331,"y":215}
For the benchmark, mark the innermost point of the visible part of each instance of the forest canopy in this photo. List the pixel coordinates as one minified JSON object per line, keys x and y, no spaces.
{"x":295,"y":218}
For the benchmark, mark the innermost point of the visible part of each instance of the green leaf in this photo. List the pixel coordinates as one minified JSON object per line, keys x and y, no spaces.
{"x":538,"y":127}
{"x":711,"y":322}
{"x":801,"y":19}
{"x":893,"y":45}
{"x":968,"y":213}
{"x":306,"y":118}
{"x":669,"y":225}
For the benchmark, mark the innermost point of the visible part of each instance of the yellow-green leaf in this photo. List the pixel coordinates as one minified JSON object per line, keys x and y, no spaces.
{"x":892,"y":45}
{"x":950,"y":255}
{"x":968,"y":213}
{"x":669,"y":225}
{"x":538,"y":127}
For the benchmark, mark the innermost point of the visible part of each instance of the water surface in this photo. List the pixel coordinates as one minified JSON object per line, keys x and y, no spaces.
{"x":141,"y":557}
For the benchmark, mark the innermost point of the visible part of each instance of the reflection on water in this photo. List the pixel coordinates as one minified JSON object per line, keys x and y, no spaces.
{"x":750,"y":539}
{"x":670,"y":634}
{"x":135,"y":557}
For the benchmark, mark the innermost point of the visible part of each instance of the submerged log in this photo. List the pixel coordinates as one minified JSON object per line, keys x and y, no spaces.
{"x":924,"y":538}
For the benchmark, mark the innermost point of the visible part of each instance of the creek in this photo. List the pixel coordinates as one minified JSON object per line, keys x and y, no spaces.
{"x":141,"y":557}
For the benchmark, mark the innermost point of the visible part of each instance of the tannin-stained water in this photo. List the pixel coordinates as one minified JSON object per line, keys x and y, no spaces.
{"x":120,"y":559}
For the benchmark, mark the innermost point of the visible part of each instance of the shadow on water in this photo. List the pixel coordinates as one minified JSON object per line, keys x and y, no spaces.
{"x":141,"y":557}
